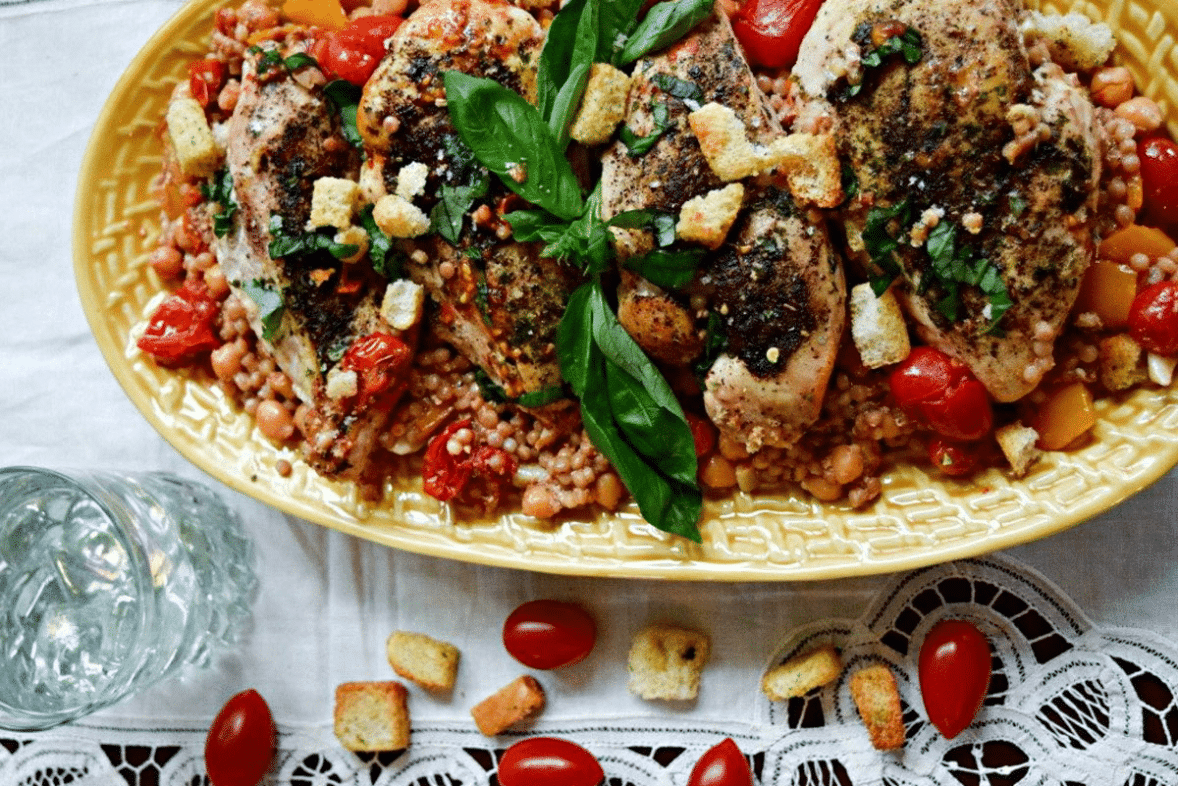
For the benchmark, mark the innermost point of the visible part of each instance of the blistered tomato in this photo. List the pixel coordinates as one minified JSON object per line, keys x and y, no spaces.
{"x":549,"y":634}
{"x":354,"y":52}
{"x":1159,"y":179}
{"x":181,"y":327}
{"x":1153,"y":318}
{"x":444,"y":474}
{"x":954,"y":673}
{"x":377,"y":359}
{"x":953,"y":458}
{"x":943,"y":392}
{"x":241,"y":741}
{"x":549,"y":761}
{"x":721,"y":765}
{"x":771,"y":31}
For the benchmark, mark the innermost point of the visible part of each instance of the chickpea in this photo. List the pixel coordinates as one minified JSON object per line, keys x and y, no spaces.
{"x":846,"y":463}
{"x":226,"y":360}
{"x":216,"y":282}
{"x":1142,"y":112}
{"x":167,"y":261}
{"x":822,"y":489}
{"x":227,"y":98}
{"x":389,"y":7}
{"x":1112,"y":87}
{"x":274,"y":420}
{"x":718,"y":473}
{"x":539,"y":502}
{"x":608,"y":491}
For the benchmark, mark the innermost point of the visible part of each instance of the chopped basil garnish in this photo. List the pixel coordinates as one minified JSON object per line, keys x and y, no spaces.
{"x":492,"y":392}
{"x":269,"y":303}
{"x":637,"y":146}
{"x":269,"y":59}
{"x":680,"y":88}
{"x":909,"y":45}
{"x":287,"y":245}
{"x":345,"y":97}
{"x":954,"y":266}
{"x":881,"y":245}
{"x":448,"y":214}
{"x":220,"y":190}
{"x":381,"y":255}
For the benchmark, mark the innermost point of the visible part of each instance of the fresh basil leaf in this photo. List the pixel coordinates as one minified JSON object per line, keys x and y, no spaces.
{"x":288,"y":245}
{"x":447,"y":215}
{"x":668,"y":269}
{"x":715,"y":344}
{"x":680,"y":88}
{"x":509,"y":137}
{"x":541,"y":397}
{"x":345,"y":97}
{"x":628,"y":408}
{"x":660,"y":222}
{"x":618,"y":18}
{"x":880,"y":244}
{"x":531,"y":226}
{"x":571,"y":41}
{"x":909,"y":45}
{"x":585,"y":241}
{"x":664,"y":24}
{"x":565,"y":107}
{"x":269,"y":303}
{"x":381,"y":256}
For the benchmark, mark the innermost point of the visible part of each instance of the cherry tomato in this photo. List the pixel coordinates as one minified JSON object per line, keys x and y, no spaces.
{"x":703,"y":433}
{"x":1159,"y":179}
{"x":354,"y":52}
{"x":721,"y":765}
{"x":444,"y":475}
{"x":771,"y":31}
{"x":377,"y":359}
{"x":205,"y":78}
{"x":944,"y":393}
{"x":241,"y":741}
{"x":549,"y":634}
{"x":549,"y":761}
{"x":954,"y":675}
{"x":952,"y":458}
{"x":181,"y":328}
{"x":1153,"y":318}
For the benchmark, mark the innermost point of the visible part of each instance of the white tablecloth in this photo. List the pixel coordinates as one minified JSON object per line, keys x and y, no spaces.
{"x":327,"y":601}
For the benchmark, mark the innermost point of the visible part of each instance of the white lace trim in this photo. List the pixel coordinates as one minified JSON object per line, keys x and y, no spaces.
{"x":1069,"y":704}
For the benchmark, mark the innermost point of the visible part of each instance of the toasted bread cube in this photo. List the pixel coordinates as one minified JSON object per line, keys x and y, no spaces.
{"x":341,"y":384}
{"x":192,"y":139}
{"x":353,"y":236}
{"x":403,"y":303}
{"x":371,"y":716}
{"x":411,"y":180}
{"x":518,"y":700}
{"x":430,"y":663}
{"x":802,"y":673}
{"x":1120,"y":362}
{"x":666,"y":662}
{"x":1018,"y":443}
{"x":398,"y":217}
{"x":706,"y":219}
{"x":811,"y":166}
{"x":333,"y":202}
{"x":873,"y":689}
{"x":603,"y":105}
{"x":724,"y":142}
{"x":877,"y":327}
{"x":1076,"y":42}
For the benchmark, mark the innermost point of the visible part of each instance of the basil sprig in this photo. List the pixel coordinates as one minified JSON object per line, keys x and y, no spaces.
{"x":955,"y":266}
{"x":220,"y":190}
{"x":630,"y":412}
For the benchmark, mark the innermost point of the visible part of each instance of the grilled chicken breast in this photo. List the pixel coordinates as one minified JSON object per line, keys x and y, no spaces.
{"x":499,"y":303}
{"x":774,"y":283}
{"x":282,"y":137}
{"x":970,"y":145}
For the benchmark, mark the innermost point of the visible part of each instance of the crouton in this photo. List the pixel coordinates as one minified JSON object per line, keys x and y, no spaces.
{"x":333,"y":202}
{"x":1018,"y":443}
{"x":706,"y":219}
{"x":341,"y":384}
{"x":402,"y":304}
{"x":398,"y":217}
{"x":1120,"y":362}
{"x":1075,"y":42}
{"x":411,"y":180}
{"x":666,"y":662}
{"x":191,"y":138}
{"x":515,"y":702}
{"x":811,"y":166}
{"x":371,"y":716}
{"x":802,"y":673}
{"x":353,"y":236}
{"x":877,"y":327}
{"x":603,"y":105}
{"x":724,"y":142}
{"x":873,"y":689}
{"x":430,"y":663}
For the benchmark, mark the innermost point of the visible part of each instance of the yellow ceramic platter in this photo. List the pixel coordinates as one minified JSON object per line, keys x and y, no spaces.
{"x":919,"y":520}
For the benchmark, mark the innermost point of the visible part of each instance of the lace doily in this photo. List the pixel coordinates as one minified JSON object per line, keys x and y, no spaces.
{"x":1069,"y":704}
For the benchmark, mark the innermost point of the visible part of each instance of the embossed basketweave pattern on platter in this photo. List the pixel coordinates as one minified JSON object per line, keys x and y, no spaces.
{"x":919,"y":520}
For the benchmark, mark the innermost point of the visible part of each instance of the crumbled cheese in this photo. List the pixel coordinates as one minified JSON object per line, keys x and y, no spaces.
{"x":342,"y":384}
{"x":1161,"y":369}
{"x":603,"y":105}
{"x":1018,"y":443}
{"x":402,"y":304}
{"x":706,"y":219}
{"x":333,"y":202}
{"x":192,"y":139}
{"x":398,"y":217}
{"x":877,"y":327}
{"x":723,"y":141}
{"x":411,"y":180}
{"x":1075,"y":42}
{"x":773,"y":354}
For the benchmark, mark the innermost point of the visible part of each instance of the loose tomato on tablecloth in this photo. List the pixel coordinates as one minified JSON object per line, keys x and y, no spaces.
{"x":354,"y":52}
{"x":954,"y":671}
{"x":1159,"y":179}
{"x":721,"y":765}
{"x":241,"y":740}
{"x":771,"y":31}
{"x":1153,"y":318}
{"x":943,"y":393}
{"x":549,"y":761}
{"x":549,"y":634}
{"x":377,"y":359}
{"x":181,"y":328}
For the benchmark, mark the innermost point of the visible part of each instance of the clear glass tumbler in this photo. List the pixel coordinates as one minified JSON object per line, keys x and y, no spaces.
{"x":110,"y":582}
